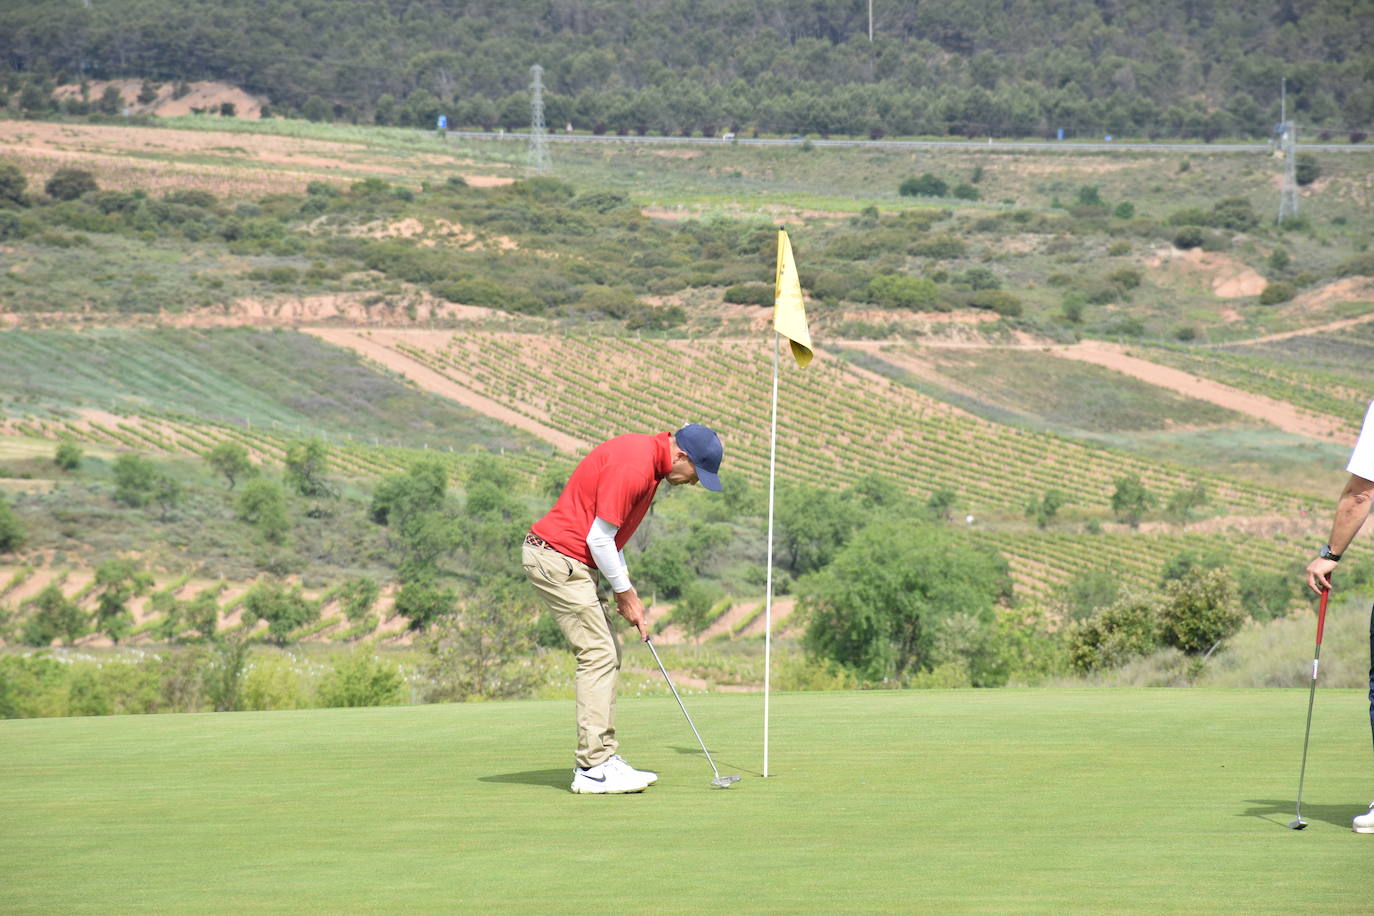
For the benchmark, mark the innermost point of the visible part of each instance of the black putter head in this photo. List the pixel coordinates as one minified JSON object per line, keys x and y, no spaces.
{"x":1298,"y":824}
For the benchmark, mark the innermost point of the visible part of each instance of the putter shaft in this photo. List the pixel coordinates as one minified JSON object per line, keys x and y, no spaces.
{"x":650,"y":644}
{"x":1298,"y":823}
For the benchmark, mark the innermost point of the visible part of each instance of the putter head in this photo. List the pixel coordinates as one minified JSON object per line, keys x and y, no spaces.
{"x":724,"y":782}
{"x":1298,"y":824}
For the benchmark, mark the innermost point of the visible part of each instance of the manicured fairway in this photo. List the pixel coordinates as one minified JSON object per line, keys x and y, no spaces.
{"x":918,"y":801}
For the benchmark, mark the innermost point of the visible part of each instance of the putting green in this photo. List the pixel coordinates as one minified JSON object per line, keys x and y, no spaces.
{"x":966,"y":801}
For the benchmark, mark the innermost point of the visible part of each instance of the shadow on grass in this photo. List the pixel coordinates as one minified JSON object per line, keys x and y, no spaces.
{"x":553,"y":779}
{"x":725,"y":766}
{"x":1283,"y":812}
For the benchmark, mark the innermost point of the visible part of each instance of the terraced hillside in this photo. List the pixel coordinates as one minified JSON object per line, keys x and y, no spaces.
{"x":836,"y":423}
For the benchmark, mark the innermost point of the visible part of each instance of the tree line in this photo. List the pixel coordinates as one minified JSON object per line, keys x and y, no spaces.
{"x":1176,"y":68}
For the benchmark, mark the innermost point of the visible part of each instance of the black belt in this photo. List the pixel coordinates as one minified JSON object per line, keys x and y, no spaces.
{"x":535,"y":541}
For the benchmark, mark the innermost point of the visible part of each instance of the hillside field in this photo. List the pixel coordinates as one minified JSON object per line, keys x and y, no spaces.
{"x":397,"y":295}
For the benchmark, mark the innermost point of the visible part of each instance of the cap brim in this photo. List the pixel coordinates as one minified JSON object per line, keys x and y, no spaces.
{"x":708,"y":480}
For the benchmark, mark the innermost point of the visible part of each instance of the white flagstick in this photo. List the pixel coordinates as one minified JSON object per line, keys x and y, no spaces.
{"x":768,"y":593}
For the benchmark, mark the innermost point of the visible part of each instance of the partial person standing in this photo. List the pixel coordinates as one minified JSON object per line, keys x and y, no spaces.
{"x":1352,"y":508}
{"x":605,"y":499}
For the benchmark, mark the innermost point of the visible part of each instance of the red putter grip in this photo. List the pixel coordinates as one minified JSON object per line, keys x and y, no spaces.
{"x":1321,"y":615}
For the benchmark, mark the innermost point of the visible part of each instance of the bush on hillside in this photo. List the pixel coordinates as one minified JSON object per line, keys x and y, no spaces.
{"x":12,"y":184}
{"x":11,"y":530}
{"x":361,"y":679}
{"x":1191,"y":216}
{"x":1277,"y":292}
{"x":69,"y":184}
{"x":941,"y":248}
{"x":1126,"y":629}
{"x":1362,"y":265}
{"x":284,"y":609}
{"x":1199,"y":611}
{"x":1189,"y":237}
{"x":11,"y":226}
{"x":897,"y":291}
{"x":52,"y":615}
{"x":925,"y":186}
{"x":750,"y":294}
{"x":1306,"y":169}
{"x":996,"y":300}
{"x":1234,"y":213}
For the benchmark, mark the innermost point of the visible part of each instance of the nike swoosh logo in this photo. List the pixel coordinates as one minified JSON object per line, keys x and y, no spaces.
{"x":593,"y":778}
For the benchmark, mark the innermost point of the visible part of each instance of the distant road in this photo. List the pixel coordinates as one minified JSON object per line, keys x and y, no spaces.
{"x":1035,"y":146}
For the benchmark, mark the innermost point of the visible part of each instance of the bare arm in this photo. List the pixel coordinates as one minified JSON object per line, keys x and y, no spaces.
{"x":1351,"y":510}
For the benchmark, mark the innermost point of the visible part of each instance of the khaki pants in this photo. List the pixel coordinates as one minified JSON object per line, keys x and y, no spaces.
{"x":568,"y":589}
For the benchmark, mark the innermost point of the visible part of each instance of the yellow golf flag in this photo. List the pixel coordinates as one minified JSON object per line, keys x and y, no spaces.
{"x":789,"y":311}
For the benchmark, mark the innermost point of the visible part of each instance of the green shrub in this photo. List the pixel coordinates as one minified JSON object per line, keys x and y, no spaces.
{"x":1189,"y":237}
{"x":135,"y":480}
{"x":611,"y":301}
{"x":12,"y":183}
{"x":357,"y":596}
{"x":11,"y":529}
{"x":1126,"y":629}
{"x":925,"y":186}
{"x":361,"y":679}
{"x":191,"y":197}
{"x":997,"y":300}
{"x":1090,"y":196}
{"x":1189,"y":217}
{"x":285,"y":609}
{"x":52,"y":615}
{"x":1278,"y":292}
{"x":1199,"y":611}
{"x":262,"y":503}
{"x":941,"y":247}
{"x":271,"y":681}
{"x":897,"y":291}
{"x":1234,"y":213}
{"x":68,"y":455}
{"x":11,"y":226}
{"x":32,"y":686}
{"x":750,"y":294}
{"x":1265,"y":594}
{"x":69,"y":184}
{"x":1124,"y":210}
{"x":1306,"y":169}
{"x":1361,"y":265}
{"x":980,"y":278}
{"x":281,"y":275}
{"x":965,"y":192}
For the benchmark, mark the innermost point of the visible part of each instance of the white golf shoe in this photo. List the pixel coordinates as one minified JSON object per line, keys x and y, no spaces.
{"x":607,"y":778}
{"x":649,"y":777}
{"x":1364,"y":823}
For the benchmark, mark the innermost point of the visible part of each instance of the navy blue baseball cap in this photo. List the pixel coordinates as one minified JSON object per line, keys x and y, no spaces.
{"x":702,"y":445}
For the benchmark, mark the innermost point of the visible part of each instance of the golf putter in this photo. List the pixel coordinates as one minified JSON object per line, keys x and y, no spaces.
{"x":1298,"y":823}
{"x":720,"y":782}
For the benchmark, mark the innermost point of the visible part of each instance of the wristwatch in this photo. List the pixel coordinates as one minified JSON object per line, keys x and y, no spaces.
{"x":1326,"y":554}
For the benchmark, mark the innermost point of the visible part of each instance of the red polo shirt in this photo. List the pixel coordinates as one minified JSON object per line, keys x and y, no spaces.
{"x":616,"y":482}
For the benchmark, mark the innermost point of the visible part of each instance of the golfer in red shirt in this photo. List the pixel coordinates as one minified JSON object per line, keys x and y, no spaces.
{"x":603,"y":503}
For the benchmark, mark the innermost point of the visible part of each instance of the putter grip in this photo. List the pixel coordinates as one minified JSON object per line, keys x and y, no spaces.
{"x":1321,"y":618}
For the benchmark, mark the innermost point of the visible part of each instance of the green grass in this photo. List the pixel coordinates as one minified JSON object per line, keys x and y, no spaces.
{"x":935,"y":801}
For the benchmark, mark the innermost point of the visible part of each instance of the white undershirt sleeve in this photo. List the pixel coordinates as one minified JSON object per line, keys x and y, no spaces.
{"x":611,"y":562}
{"x":1362,"y":458}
